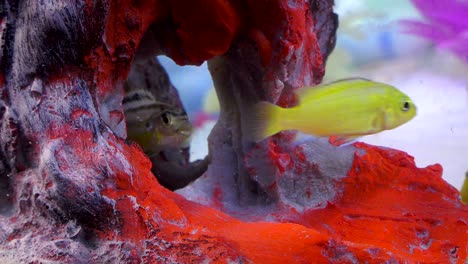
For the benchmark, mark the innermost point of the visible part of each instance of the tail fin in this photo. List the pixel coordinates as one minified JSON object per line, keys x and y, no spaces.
{"x":261,"y":121}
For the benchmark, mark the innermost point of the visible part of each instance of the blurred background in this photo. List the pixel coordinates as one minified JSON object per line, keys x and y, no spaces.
{"x":419,"y":46}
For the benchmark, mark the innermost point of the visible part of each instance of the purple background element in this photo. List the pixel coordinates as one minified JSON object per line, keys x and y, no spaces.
{"x":446,"y":24}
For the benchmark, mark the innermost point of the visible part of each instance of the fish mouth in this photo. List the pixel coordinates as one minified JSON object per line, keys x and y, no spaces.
{"x":181,"y":139}
{"x":185,"y":133}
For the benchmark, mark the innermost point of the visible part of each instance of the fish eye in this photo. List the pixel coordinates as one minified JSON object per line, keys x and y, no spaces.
{"x":166,"y":119}
{"x":406,"y":106}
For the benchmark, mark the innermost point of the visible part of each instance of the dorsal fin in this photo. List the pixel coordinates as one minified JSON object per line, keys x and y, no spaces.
{"x":331,"y":86}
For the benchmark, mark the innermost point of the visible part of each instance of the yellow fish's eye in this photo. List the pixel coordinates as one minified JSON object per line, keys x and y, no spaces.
{"x":166,"y":119}
{"x":406,"y":106}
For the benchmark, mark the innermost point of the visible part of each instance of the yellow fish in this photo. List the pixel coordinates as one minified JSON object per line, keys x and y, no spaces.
{"x":464,"y":190}
{"x":155,"y":125}
{"x":344,"y":109}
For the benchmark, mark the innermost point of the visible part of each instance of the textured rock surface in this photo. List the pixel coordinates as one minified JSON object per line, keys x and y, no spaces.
{"x":72,"y":190}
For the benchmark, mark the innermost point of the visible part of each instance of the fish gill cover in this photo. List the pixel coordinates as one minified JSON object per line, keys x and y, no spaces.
{"x":74,"y":191}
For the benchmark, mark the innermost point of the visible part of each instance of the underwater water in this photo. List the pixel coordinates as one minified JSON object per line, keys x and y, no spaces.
{"x":373,"y":42}
{"x":96,"y":141}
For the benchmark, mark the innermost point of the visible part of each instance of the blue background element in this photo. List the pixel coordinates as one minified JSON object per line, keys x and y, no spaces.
{"x":192,"y":82}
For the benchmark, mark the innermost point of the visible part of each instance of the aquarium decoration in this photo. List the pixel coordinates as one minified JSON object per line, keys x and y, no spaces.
{"x":73,"y":189}
{"x":445,"y":22}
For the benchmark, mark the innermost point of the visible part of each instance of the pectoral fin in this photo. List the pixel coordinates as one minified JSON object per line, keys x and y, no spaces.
{"x":342,"y":140}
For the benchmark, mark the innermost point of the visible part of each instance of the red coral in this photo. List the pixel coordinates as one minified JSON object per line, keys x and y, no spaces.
{"x":399,"y":210}
{"x":190,"y":38}
{"x":79,"y":193}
